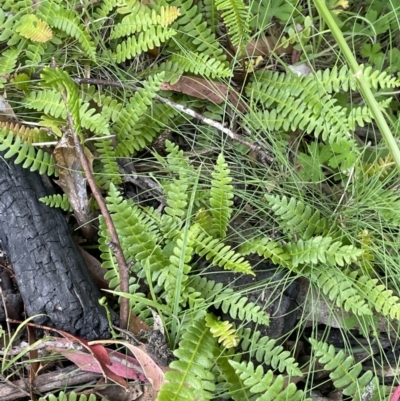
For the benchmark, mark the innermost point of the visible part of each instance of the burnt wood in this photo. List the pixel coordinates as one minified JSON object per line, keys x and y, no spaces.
{"x":51,"y":274}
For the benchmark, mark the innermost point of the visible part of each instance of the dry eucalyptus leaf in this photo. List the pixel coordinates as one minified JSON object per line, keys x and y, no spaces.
{"x":72,"y":180}
{"x":6,"y":111}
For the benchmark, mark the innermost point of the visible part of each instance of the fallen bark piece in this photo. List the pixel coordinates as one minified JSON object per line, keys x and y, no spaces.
{"x":51,"y":274}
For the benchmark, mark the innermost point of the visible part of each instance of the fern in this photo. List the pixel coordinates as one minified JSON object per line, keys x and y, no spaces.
{"x":272,"y":388}
{"x":340,"y":288}
{"x":57,"y":200}
{"x":322,"y":250}
{"x":147,"y":40}
{"x":298,"y":218}
{"x":141,"y":21}
{"x":229,"y":301}
{"x":221,"y":197}
{"x":33,"y":28}
{"x":68,"y":22}
{"x":201,"y":64}
{"x":130,"y":114}
{"x":39,"y":160}
{"x":297,"y":103}
{"x":266,"y":350}
{"x":108,"y":171}
{"x":345,"y":373}
{"x":138,"y":243}
{"x":190,"y":377}
{"x":30,"y":135}
{"x":235,"y":15}
{"x":223,"y":331}
{"x":220,"y":254}
{"x":8,"y":62}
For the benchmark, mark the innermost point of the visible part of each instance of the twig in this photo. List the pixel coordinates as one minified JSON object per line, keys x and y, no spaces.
{"x":264,"y":156}
{"x":115,"y":245}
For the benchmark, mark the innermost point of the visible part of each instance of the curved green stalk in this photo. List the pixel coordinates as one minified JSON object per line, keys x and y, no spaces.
{"x":363,"y":86}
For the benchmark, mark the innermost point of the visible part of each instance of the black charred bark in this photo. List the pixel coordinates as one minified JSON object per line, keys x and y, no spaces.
{"x":51,"y":274}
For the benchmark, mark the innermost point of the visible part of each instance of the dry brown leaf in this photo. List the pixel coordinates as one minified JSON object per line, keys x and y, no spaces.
{"x":205,"y":89}
{"x":72,"y":181}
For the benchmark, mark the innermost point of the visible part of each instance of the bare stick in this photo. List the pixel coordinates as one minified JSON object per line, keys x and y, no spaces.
{"x":264,"y":156}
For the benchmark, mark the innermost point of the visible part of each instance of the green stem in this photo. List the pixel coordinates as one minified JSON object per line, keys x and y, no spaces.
{"x":361,"y":82}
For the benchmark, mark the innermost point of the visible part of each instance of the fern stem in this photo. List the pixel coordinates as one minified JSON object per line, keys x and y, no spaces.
{"x":362,"y":84}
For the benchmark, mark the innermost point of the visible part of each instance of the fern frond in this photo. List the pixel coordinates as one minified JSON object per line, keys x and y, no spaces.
{"x":110,"y":107}
{"x":340,"y":288}
{"x":297,"y":217}
{"x":272,"y":387}
{"x":220,"y":254}
{"x":322,"y":250}
{"x":268,"y":249}
{"x":109,"y":170}
{"x":379,"y":297}
{"x":380,"y":168}
{"x":194,"y":32}
{"x":235,"y":14}
{"x":291,"y":102}
{"x":61,"y":81}
{"x":191,"y":376}
{"x":128,"y":142}
{"x":138,"y":243}
{"x":229,"y":301}
{"x":222,"y":330}
{"x":8,"y":61}
{"x":68,"y":22}
{"x":141,"y":21}
{"x":146,"y":40}
{"x":202,"y":64}
{"x":268,"y":351}
{"x":210,"y":12}
{"x":30,"y":135}
{"x":33,"y":28}
{"x":34,"y":160}
{"x":345,"y":372}
{"x":221,"y":195}
{"x":57,"y":200}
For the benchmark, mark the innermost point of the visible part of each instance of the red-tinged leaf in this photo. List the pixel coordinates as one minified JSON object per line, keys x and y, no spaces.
{"x":153,"y":373}
{"x":100,"y":353}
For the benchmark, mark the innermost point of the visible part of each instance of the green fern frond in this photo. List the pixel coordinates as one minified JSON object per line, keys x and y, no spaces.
{"x":141,"y":21}
{"x":127,"y":119}
{"x":109,"y":261}
{"x":33,"y":28}
{"x":271,"y":387}
{"x":268,"y":351}
{"x":202,"y":64}
{"x":178,"y":270}
{"x":146,"y":40}
{"x":69,"y":397}
{"x":137,"y":242}
{"x":50,"y":102}
{"x":322,"y":250}
{"x":380,"y":168}
{"x":191,"y":377}
{"x":336,"y":80}
{"x":297,"y":217}
{"x":61,"y":81}
{"x":8,"y":61}
{"x":235,"y":15}
{"x":221,"y":196}
{"x":57,"y":200}
{"x":223,"y":331}
{"x":268,"y":249}
{"x":35,"y":160}
{"x":229,"y":301}
{"x":345,"y":372}
{"x":194,"y":33}
{"x":379,"y":297}
{"x":291,"y":102}
{"x":109,"y":170}
{"x":210,"y":13}
{"x":172,"y":71}
{"x":340,"y":288}
{"x":68,"y":22}
{"x":110,"y":106}
{"x":220,"y":254}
